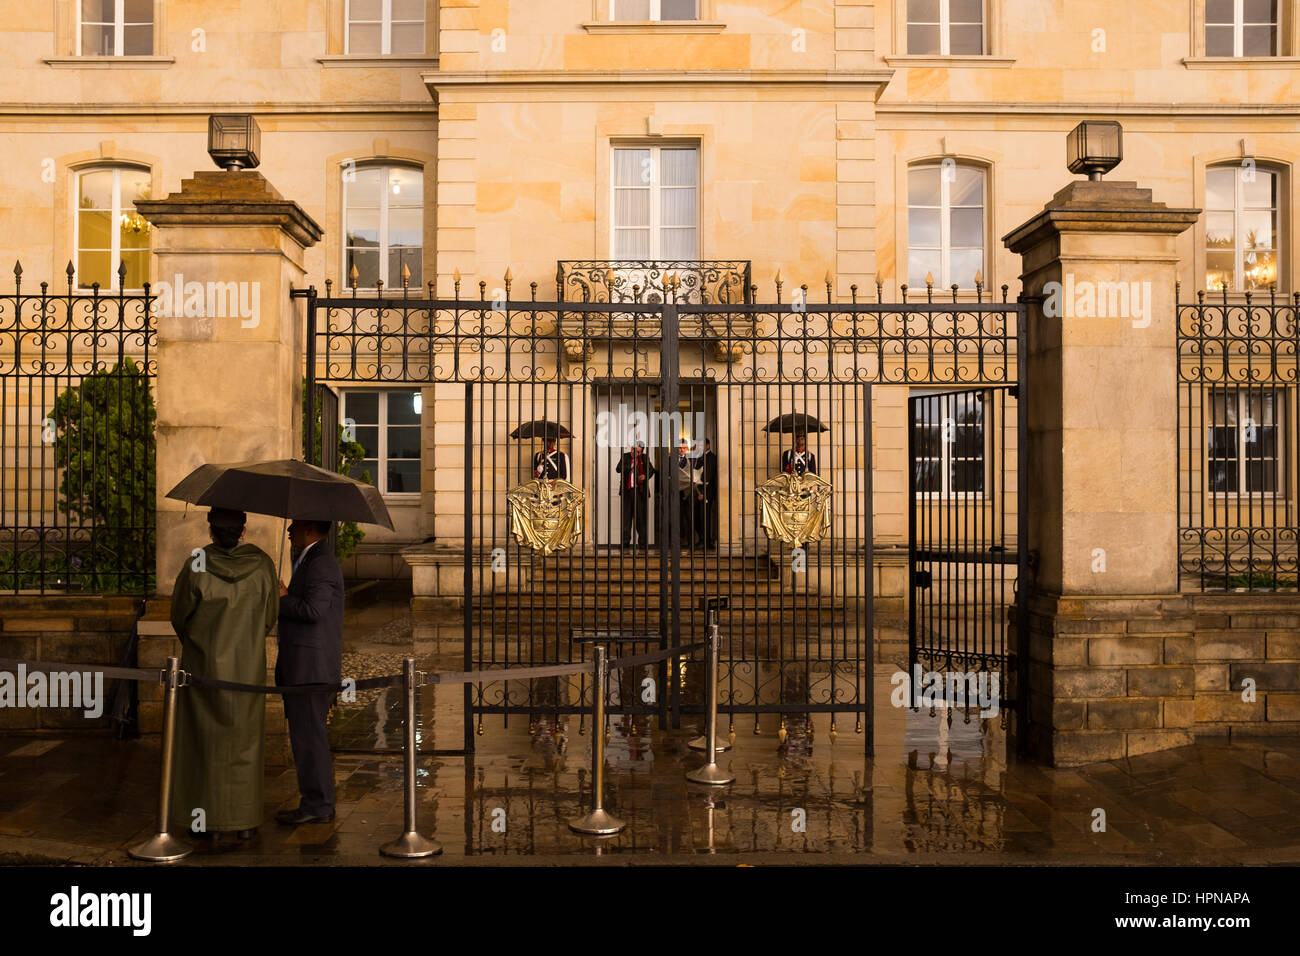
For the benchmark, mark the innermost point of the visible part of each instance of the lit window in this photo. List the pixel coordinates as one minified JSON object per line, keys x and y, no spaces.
{"x":383,"y":224}
{"x":945,"y":27}
{"x":387,"y":425}
{"x":1241,"y":28}
{"x":109,"y":231}
{"x":945,"y":224}
{"x":1243,"y":442}
{"x":655,"y":208}
{"x":116,"y":28}
{"x":380,"y":27}
{"x":654,"y":10}
{"x":948,"y":437}
{"x":1241,"y":227}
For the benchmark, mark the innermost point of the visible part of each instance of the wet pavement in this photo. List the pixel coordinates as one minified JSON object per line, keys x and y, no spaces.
{"x":939,"y":790}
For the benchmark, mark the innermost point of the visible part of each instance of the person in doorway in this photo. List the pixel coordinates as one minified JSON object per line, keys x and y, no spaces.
{"x":635,"y":472}
{"x":311,"y":652}
{"x":800,"y":460}
{"x":686,"y":495}
{"x":706,"y":496}
{"x":223,"y":606}
{"x":551,"y":464}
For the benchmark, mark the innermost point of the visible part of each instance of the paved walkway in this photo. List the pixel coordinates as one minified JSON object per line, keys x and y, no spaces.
{"x":935,"y":793}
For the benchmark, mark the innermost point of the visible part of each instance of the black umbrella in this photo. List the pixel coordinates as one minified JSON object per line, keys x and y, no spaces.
{"x":287,"y":488}
{"x":541,"y":428}
{"x":795,"y":422}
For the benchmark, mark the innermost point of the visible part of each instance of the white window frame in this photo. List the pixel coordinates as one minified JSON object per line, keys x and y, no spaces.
{"x":1243,"y":394}
{"x":945,"y":492}
{"x":381,"y":451}
{"x":1238,"y":211}
{"x":655,"y":13}
{"x":656,"y":244}
{"x":385,"y":30}
{"x":945,"y":31}
{"x":116,"y":248}
{"x":944,"y":279}
{"x":119,"y":27}
{"x":389,"y":281}
{"x":1239,"y":29}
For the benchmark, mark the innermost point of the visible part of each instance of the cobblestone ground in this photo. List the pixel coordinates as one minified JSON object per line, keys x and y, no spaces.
{"x":938,"y":791}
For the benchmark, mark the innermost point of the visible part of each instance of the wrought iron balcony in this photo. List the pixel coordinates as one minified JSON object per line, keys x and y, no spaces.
{"x":698,"y":282}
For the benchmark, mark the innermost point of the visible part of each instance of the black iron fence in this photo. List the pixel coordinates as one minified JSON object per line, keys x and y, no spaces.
{"x":697,"y":282}
{"x":1238,"y":371}
{"x":76,"y":439}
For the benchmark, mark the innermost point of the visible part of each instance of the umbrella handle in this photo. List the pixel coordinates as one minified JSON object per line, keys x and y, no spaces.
{"x":284,"y":522}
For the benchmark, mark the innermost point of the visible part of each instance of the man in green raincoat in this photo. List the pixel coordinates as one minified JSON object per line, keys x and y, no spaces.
{"x":223,"y":606}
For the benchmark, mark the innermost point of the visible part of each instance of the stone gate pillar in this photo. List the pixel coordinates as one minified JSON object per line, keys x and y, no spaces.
{"x":1110,"y":644}
{"x":227,"y":247}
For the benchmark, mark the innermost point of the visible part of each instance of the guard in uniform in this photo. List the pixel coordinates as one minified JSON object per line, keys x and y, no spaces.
{"x":799,"y":461}
{"x":551,"y":464}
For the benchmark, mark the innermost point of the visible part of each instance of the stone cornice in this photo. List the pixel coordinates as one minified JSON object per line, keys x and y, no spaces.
{"x":873,"y":81}
{"x":1090,"y":110}
{"x":1106,"y":206}
{"x":67,"y":110}
{"x":221,"y":198}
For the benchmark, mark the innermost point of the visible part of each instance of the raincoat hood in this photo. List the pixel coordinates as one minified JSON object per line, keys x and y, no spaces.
{"x":234,"y":564}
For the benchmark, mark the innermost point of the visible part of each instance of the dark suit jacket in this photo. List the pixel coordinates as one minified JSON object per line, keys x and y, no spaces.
{"x":787,"y":459}
{"x":311,"y":622}
{"x":624,"y":468}
{"x":709,"y":462}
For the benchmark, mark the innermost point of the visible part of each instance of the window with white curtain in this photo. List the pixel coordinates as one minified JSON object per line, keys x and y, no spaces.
{"x":949,"y":441}
{"x":115,"y":28}
{"x":382,"y":27}
{"x":945,"y":224}
{"x":387,"y":426}
{"x":383,"y":224}
{"x":109,"y":232}
{"x":654,"y":9}
{"x":1242,"y":244}
{"x":1243,"y":454}
{"x":655,"y":209}
{"x":945,"y":27}
{"x":1241,"y":28}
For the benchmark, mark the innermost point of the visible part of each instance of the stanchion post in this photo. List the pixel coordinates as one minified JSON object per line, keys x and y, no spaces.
{"x":711,"y":773}
{"x":410,"y":845}
{"x":700,"y":742}
{"x":162,"y":847}
{"x":598,"y":822}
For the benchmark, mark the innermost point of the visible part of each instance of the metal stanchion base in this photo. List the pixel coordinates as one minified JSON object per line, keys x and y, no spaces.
{"x":597,"y":823}
{"x":711,"y":774}
{"x":719,"y":746}
{"x":160,"y":848}
{"x":411,"y":846}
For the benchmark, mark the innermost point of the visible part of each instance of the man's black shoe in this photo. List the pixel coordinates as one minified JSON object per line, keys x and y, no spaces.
{"x":293,"y":818}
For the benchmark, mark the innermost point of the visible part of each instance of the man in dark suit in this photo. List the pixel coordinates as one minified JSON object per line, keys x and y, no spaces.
{"x":635,"y":473}
{"x":706,"y":500}
{"x":800,"y":460}
{"x":551,"y":464}
{"x":311,"y":652}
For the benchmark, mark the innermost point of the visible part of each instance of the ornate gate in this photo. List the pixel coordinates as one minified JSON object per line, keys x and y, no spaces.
{"x":574,"y":435}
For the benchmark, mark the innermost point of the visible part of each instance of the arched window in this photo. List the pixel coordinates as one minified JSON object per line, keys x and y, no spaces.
{"x":383,"y":224}
{"x":1242,"y":244}
{"x":108,"y":230}
{"x":945,"y":224}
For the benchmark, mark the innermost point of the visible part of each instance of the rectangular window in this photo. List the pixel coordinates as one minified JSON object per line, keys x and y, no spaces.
{"x":387,"y":425}
{"x":1241,"y":28}
{"x":945,"y":27}
{"x":655,"y":207}
{"x":115,"y":28}
{"x":383,"y":225}
{"x":654,"y":10}
{"x":109,"y":232}
{"x":1241,"y":227}
{"x":949,"y":436}
{"x":945,"y":224}
{"x":383,"y":27}
{"x":1242,"y":449}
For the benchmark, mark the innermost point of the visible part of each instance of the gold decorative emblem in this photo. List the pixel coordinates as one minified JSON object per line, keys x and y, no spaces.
{"x":546,"y":515}
{"x":795,"y":509}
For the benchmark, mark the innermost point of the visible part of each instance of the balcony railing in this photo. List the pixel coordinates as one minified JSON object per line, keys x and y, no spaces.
{"x":698,"y":282}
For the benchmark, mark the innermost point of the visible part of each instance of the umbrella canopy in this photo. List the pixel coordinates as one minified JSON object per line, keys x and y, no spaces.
{"x":541,"y":428}
{"x":795,"y":422}
{"x":287,"y":488}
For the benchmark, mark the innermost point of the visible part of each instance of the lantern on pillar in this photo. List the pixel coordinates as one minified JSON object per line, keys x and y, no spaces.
{"x":1095,"y":147}
{"x":234,"y":140}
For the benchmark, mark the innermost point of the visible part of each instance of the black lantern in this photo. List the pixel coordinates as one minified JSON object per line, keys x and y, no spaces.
{"x":234,"y":140}
{"x":1095,"y":147}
